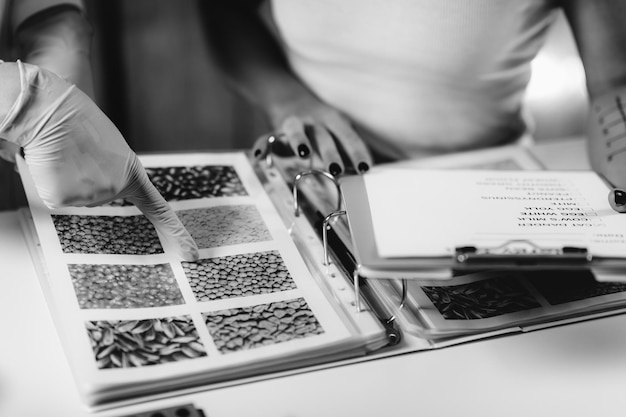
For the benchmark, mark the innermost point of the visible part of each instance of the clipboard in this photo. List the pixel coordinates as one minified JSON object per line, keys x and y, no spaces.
{"x":511,"y":254}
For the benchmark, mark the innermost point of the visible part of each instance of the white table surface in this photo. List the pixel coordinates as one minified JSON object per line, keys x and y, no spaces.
{"x":573,"y":370}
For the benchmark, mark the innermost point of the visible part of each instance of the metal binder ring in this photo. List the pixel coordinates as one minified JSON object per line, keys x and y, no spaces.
{"x":402,"y":301}
{"x":303,"y":174}
{"x":325,"y":227}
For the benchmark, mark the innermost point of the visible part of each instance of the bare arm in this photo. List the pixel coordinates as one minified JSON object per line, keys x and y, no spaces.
{"x":252,"y":59}
{"x":247,"y":52}
{"x":59,"y":40}
{"x":600,"y":33}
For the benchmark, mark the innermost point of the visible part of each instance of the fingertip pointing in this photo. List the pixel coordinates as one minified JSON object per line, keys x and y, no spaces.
{"x":190,"y":255}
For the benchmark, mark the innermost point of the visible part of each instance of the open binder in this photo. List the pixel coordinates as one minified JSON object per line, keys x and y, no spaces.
{"x":294,"y":233}
{"x":473,"y":291}
{"x":137,"y":323}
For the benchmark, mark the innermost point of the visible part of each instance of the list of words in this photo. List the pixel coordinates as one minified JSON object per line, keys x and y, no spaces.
{"x":553,"y":203}
{"x":439,"y":210}
{"x":547,"y":202}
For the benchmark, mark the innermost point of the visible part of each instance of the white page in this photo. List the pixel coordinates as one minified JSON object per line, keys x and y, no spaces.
{"x":265,"y":237}
{"x":431,"y":212}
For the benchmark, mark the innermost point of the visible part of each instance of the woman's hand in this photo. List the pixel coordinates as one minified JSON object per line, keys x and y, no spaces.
{"x":307,"y":126}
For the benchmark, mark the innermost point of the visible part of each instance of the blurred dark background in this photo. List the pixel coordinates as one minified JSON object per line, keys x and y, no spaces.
{"x":156,"y":80}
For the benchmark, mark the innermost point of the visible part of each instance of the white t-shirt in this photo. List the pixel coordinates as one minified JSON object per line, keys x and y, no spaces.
{"x":418,"y":76}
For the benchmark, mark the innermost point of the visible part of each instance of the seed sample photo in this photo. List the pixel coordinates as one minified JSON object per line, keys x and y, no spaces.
{"x":115,"y":235}
{"x":213,"y":227}
{"x":136,"y":343}
{"x":559,"y":287}
{"x":186,"y":183}
{"x":481,"y":299}
{"x":244,"y":328}
{"x":238,"y":276}
{"x":125,"y":286}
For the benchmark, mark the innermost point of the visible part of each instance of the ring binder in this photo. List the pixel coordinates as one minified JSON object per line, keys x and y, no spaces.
{"x":325,"y":227}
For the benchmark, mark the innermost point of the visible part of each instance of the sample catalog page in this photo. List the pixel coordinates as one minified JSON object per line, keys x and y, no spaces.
{"x":133,"y":317}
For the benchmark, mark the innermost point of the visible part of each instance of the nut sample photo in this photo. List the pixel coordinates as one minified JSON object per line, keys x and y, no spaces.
{"x":225,"y":225}
{"x":243,"y":328}
{"x":482,"y":299}
{"x":136,"y":343}
{"x":125,"y":286}
{"x":187,"y":183}
{"x":238,"y":276}
{"x":118,"y":235}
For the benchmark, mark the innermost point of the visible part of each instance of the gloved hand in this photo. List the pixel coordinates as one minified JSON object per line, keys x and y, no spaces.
{"x":75,"y":154}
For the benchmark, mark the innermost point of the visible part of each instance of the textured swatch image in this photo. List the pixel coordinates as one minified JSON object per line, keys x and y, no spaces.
{"x":559,"y":287}
{"x":186,"y":183}
{"x":124,"y":286}
{"x":238,"y":276}
{"x":225,"y":225}
{"x":119,"y":235}
{"x":238,"y":329}
{"x":481,"y":299}
{"x":135,"y":343}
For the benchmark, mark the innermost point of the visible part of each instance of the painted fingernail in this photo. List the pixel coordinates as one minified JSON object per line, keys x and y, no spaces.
{"x":620,"y":197}
{"x":617,"y":200}
{"x":334,"y":169}
{"x":257,"y":153}
{"x":190,"y":252}
{"x":303,"y":151}
{"x":363,"y":167}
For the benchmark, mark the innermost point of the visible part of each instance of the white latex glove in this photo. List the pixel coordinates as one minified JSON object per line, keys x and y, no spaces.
{"x":76,"y":155}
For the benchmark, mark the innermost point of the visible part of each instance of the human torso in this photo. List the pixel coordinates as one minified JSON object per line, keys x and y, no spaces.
{"x":418,"y":76}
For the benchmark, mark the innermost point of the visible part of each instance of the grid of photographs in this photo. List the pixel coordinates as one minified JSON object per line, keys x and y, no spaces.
{"x":142,"y":308}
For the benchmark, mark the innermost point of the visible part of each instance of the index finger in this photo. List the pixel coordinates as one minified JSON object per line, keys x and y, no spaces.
{"x":142,"y":193}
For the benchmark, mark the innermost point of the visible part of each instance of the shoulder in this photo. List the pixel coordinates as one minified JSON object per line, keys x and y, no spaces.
{"x":21,"y":10}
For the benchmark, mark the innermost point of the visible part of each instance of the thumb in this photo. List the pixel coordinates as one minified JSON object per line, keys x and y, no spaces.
{"x":142,"y":193}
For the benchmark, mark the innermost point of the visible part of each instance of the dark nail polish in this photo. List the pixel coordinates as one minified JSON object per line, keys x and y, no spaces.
{"x":257,"y":153}
{"x":363,"y":167}
{"x":620,"y":197}
{"x":303,"y":151}
{"x":334,"y":169}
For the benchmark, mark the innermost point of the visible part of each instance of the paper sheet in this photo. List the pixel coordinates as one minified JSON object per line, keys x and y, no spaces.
{"x":431,"y":212}
{"x":130,"y":312}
